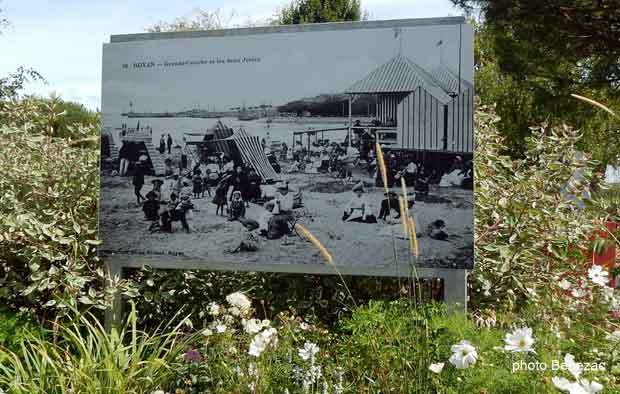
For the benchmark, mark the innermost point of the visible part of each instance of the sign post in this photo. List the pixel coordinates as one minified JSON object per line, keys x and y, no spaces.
{"x":234,"y":203}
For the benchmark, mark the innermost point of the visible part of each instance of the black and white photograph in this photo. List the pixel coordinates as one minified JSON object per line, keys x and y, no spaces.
{"x":217,"y":144}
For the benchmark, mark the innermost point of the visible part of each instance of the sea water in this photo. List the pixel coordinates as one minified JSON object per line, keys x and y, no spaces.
{"x":281,"y":129}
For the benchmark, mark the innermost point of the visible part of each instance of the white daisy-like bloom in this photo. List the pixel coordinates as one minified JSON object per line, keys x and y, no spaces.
{"x":561,"y":383}
{"x":234,"y":311}
{"x":564,"y":284}
{"x":598,"y":275}
{"x":581,"y":386}
{"x":271,"y":334}
{"x":463,"y":355}
{"x":214,"y":309}
{"x":613,"y":336}
{"x":308,"y":352}
{"x":304,"y":326}
{"x":240,"y":301}
{"x":572,"y":366}
{"x":220,"y":328}
{"x":207,"y":332}
{"x":228,"y":319}
{"x":252,"y":326}
{"x":259,"y":343}
{"x":519,"y":340}
{"x":608,"y":294}
{"x":257,"y":346}
{"x":590,"y":387}
{"x":436,"y":367}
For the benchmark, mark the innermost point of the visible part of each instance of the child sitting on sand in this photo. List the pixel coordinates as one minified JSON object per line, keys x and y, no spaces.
{"x":236,"y":210}
{"x":151,"y":210}
{"x":175,"y":211}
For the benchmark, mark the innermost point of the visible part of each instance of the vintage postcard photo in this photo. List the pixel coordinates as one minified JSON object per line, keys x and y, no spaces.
{"x":216,"y":144}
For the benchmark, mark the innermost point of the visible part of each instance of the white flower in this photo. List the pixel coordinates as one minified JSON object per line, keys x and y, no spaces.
{"x":436,"y":368}
{"x":598,"y":275}
{"x":207,"y":332}
{"x":308,"y":352}
{"x":257,"y":346}
{"x":572,"y":366}
{"x":253,"y":326}
{"x":590,"y":387}
{"x":154,"y":392}
{"x":214,"y":309}
{"x":613,"y":336}
{"x":463,"y":355}
{"x":582,"y":386}
{"x":271,"y":335}
{"x":608,"y":293}
{"x":220,"y":328}
{"x":520,"y":340}
{"x":233,"y":310}
{"x":560,"y":383}
{"x":564,"y":284}
{"x":304,"y":326}
{"x":262,"y":340}
{"x":240,"y":301}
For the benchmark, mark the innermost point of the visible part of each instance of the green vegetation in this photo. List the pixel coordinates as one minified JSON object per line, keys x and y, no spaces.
{"x":83,"y":358}
{"x":317,"y":11}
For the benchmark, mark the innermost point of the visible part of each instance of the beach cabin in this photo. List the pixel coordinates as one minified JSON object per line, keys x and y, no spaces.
{"x":419,"y":110}
{"x":142,"y":143}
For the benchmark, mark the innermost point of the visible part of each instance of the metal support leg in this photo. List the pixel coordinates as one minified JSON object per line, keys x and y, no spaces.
{"x":455,"y":289}
{"x":114,"y":314}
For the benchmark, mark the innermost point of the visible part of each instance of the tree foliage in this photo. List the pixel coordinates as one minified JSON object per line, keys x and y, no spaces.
{"x":197,"y":20}
{"x":51,"y":116}
{"x":530,"y":57}
{"x":319,"y":11}
{"x":13,"y":83}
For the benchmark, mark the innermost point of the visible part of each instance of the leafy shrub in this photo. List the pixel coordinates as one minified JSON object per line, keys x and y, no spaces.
{"x":530,"y":226}
{"x":14,"y":327}
{"x":48,"y":229}
{"x":85,"y":359}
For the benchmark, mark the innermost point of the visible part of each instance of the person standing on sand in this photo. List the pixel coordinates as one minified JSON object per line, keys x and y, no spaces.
{"x":240,"y":183}
{"x":138,"y":179}
{"x":169,"y":143}
{"x":162,"y":145}
{"x":123,"y":154}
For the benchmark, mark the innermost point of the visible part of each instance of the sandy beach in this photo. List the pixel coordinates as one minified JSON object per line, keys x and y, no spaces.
{"x":123,"y":228}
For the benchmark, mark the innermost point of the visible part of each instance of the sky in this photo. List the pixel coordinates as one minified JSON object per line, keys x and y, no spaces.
{"x":62,"y":39}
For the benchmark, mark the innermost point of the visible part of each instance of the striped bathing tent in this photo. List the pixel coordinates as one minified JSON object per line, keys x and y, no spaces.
{"x":247,"y":148}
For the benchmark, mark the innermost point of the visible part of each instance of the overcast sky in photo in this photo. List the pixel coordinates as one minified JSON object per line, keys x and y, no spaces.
{"x":62,"y":39}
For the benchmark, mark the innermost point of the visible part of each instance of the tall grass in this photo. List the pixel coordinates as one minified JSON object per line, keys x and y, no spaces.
{"x":83,"y":358}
